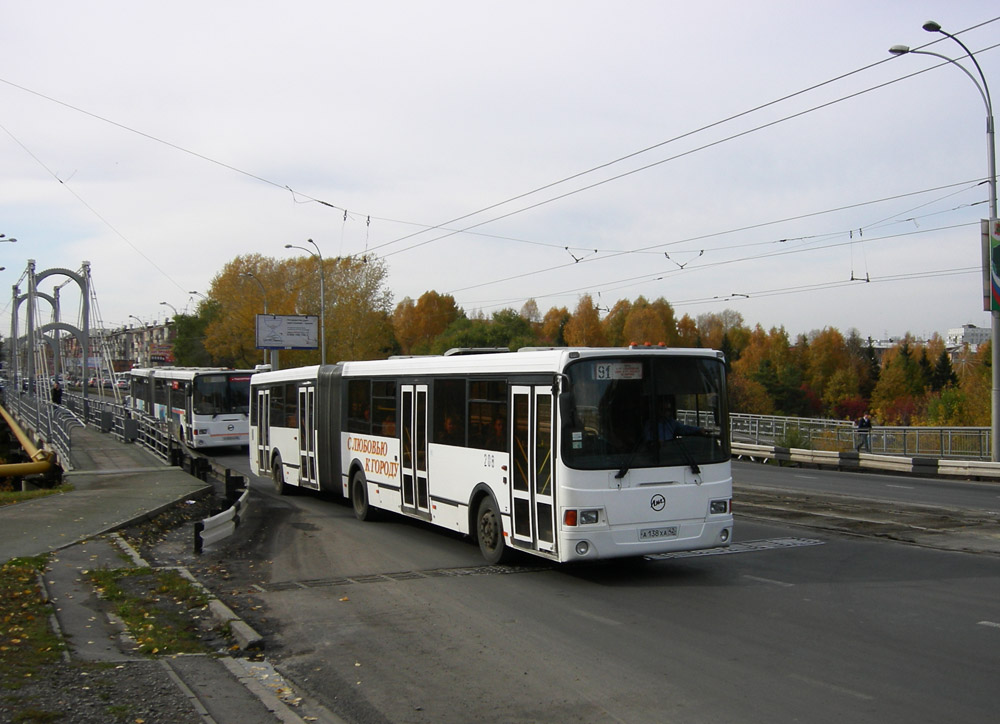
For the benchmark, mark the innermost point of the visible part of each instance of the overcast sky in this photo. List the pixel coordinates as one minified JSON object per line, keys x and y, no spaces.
{"x":757,"y":156}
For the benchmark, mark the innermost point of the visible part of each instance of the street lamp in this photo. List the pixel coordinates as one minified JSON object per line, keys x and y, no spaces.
{"x":144,"y":330}
{"x":984,"y":90}
{"x":322,"y":297}
{"x":263,"y":293}
{"x":172,"y":307}
{"x":3,"y":237}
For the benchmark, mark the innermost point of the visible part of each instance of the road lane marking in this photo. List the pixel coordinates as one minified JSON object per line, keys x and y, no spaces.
{"x":833,"y":687}
{"x":902,"y":487}
{"x":769,"y":580}
{"x":750,"y":546}
{"x":992,"y":624}
{"x":599,"y":619}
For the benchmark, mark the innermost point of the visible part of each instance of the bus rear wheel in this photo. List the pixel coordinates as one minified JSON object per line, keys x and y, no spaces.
{"x":359,"y":497}
{"x":489,"y":532}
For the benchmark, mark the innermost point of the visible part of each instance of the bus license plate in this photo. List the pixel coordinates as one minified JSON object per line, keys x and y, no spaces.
{"x":654,"y":533}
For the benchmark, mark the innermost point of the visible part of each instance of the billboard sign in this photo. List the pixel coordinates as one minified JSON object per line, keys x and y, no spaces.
{"x":287,"y":331}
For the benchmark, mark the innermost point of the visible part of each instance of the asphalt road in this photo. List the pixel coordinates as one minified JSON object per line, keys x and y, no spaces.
{"x":970,"y":495}
{"x":394,"y":621}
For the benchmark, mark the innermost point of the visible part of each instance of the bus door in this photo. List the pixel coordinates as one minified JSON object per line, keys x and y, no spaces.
{"x":413,"y":443}
{"x":263,"y":430}
{"x":532,"y":485}
{"x":307,"y":438}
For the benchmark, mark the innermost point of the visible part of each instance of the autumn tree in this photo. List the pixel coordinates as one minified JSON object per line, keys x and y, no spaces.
{"x":898,"y":398}
{"x":712,"y":325}
{"x":614,"y":323}
{"x":584,"y":327}
{"x":416,"y":325}
{"x":687,"y":332}
{"x":360,"y":314}
{"x":770,"y":362}
{"x":666,"y":314}
{"x":230,"y":334}
{"x":553,"y":324}
{"x":825,"y":357}
{"x":644,"y":324}
{"x":355,"y":309}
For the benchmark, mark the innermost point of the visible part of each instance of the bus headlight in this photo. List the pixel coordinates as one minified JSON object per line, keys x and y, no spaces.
{"x":582,"y":548}
{"x":573,"y":517}
{"x":718,"y":507}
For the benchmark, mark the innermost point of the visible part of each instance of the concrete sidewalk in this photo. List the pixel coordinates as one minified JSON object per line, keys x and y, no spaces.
{"x":116,"y":485}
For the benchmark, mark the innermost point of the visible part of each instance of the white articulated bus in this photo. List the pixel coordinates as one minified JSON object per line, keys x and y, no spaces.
{"x":210,"y":405}
{"x":553,"y":452}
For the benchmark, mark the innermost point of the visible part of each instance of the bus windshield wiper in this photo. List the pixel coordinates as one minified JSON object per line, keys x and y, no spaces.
{"x":688,"y":457}
{"x":623,"y":470}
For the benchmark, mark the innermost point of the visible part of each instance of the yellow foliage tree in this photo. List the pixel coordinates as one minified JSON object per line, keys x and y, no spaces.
{"x":584,"y":327}
{"x":355,"y":306}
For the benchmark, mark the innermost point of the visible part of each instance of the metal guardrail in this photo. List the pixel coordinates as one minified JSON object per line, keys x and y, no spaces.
{"x":853,"y":460}
{"x":964,"y":443}
{"x":221,"y":525}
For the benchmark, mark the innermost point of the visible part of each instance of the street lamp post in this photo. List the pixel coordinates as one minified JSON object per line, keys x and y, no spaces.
{"x":263,"y":294}
{"x":144,"y":330}
{"x":172,"y":307}
{"x":322,"y":297}
{"x":3,"y":238}
{"x":984,"y":90}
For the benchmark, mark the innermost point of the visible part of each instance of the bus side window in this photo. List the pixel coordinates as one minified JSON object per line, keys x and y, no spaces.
{"x":384,"y":403}
{"x":389,"y":427}
{"x":449,"y":412}
{"x":291,"y":405}
{"x":359,"y":411}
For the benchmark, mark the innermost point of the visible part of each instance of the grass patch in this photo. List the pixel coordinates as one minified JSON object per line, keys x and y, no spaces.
{"x":27,"y":643}
{"x":155,"y":606}
{"x":10,"y":497}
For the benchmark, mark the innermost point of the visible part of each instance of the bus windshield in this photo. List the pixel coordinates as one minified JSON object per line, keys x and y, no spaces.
{"x":640,"y":412}
{"x":221,"y":394}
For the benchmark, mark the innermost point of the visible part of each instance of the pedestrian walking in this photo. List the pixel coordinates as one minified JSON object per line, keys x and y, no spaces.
{"x":864,"y":426}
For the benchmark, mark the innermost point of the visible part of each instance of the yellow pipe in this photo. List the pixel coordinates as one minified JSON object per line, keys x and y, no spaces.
{"x":41,"y":459}
{"x":16,"y":470}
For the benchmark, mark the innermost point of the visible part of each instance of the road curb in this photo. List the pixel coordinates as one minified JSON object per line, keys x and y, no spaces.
{"x":246,"y":637}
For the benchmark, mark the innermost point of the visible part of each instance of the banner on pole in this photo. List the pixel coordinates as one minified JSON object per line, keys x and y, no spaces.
{"x":991,"y":265}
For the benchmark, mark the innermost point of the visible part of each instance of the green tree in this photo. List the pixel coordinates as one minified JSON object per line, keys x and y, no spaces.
{"x":189,"y":339}
{"x":943,"y":374}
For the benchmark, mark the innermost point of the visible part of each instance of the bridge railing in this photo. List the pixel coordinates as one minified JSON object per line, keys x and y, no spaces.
{"x":960,"y":443}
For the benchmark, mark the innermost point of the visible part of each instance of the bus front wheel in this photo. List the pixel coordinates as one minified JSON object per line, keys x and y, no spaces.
{"x":489,"y":531}
{"x":359,"y":497}
{"x":278,"y":475}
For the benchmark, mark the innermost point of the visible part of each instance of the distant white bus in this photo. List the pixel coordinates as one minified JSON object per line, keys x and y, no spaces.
{"x":209,"y":405}
{"x":549,"y":452}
